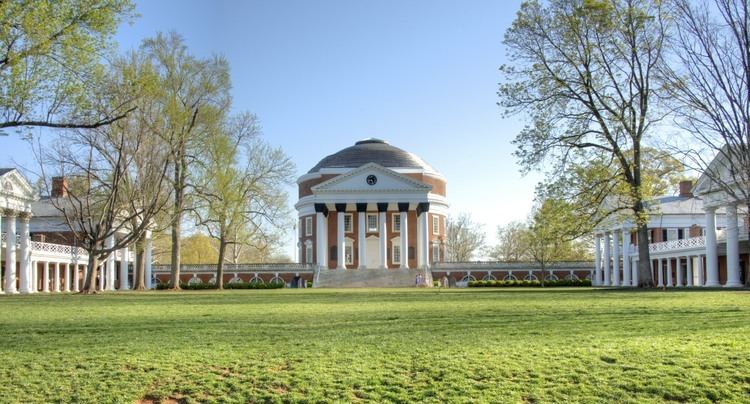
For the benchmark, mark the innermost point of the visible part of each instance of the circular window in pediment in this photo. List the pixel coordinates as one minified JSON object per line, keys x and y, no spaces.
{"x":7,"y":186}
{"x":371,"y":179}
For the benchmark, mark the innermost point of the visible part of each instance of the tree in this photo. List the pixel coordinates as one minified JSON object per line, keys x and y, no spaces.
{"x":241,"y":188}
{"x":584,"y":72}
{"x":198,"y":248}
{"x":194,"y":101}
{"x":51,"y":62}
{"x":709,"y":86}
{"x":112,"y":189}
{"x":463,"y":238}
{"x":511,"y":246}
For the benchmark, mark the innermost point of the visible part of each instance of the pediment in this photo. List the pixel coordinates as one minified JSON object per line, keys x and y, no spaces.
{"x":13,"y":184}
{"x":371,"y":177}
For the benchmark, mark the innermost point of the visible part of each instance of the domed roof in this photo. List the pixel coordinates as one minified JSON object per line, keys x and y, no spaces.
{"x":372,"y":151}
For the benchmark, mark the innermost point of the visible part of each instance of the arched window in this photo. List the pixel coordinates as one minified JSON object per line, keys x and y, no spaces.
{"x":510,"y":277}
{"x":468,"y":278}
{"x":489,"y":277}
{"x":256,"y":281}
{"x":530,"y":277}
{"x":236,"y":279}
{"x":571,"y":277}
{"x":276,"y":281}
{"x":551,"y":277}
{"x":212,"y":280}
{"x":195,"y":281}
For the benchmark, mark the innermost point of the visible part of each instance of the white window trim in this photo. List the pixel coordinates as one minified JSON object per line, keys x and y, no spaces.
{"x":396,"y":243}
{"x":435,"y":220}
{"x":351,"y":223}
{"x":308,"y":226}
{"x":348,"y":258}
{"x":308,"y":252}
{"x":393,"y":222}
{"x":367,"y":220}
{"x":435,"y":252}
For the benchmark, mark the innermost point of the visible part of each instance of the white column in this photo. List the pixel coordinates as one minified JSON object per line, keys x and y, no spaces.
{"x":383,"y":234}
{"x":669,"y":273}
{"x":733,"y":248}
{"x":712,"y":258}
{"x":425,"y":239}
{"x":148,"y":257}
{"x":124,"y":285}
{"x":689,"y":274}
{"x":420,"y":260}
{"x":25,"y":271}
{"x":660,"y":274}
{"x":626,"y":280}
{"x":678,"y":271}
{"x":362,"y":239}
{"x":634,"y":272}
{"x":66,"y":280}
{"x":56,"y":278}
{"x":404,"y":240}
{"x":321,"y":239}
{"x":76,"y":280}
{"x":340,"y":244}
{"x":110,"y":265}
{"x":607,"y":268}
{"x":597,"y":279}
{"x":615,"y":259}
{"x":10,"y":251}
{"x":701,"y":272}
{"x":32,"y":277}
{"x":45,"y":277}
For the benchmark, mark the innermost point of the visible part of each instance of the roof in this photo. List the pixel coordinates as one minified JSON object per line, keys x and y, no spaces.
{"x":676,"y":205}
{"x":372,"y":151}
{"x":4,"y":171}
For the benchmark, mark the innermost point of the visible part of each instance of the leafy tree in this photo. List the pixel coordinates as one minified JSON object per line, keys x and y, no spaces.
{"x":241,"y":187}
{"x":194,"y":101}
{"x":584,"y":72}
{"x":463,"y":239}
{"x":198,"y":248}
{"x":511,"y":246}
{"x":51,"y":62}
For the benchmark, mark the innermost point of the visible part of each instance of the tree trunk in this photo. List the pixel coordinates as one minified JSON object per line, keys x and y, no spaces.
{"x":174,"y":282}
{"x":645,"y":277}
{"x":139,"y":283}
{"x":89,"y":286}
{"x":746,"y":270}
{"x":220,"y":264}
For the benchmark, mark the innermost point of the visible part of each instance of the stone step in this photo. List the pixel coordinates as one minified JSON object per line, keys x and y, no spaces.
{"x":370,"y":278}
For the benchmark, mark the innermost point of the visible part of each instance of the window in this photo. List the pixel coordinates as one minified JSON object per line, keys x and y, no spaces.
{"x":308,"y":252}
{"x":308,"y":226}
{"x":372,"y":222}
{"x":396,"y":253}
{"x":348,"y":253}
{"x":348,"y":223}
{"x":436,"y":252}
{"x":435,"y":224}
{"x":671,"y":234}
{"x":396,"y":222}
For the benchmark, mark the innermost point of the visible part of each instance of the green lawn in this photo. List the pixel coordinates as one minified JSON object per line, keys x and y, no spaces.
{"x":506,"y":345}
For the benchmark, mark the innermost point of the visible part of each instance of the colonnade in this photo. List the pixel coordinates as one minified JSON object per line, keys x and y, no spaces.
{"x":608,"y":270}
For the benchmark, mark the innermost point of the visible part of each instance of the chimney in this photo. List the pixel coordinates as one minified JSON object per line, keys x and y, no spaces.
{"x":59,"y":187}
{"x":686,"y":189}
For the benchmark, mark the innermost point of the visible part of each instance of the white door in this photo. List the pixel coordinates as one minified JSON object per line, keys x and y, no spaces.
{"x":373,"y":252}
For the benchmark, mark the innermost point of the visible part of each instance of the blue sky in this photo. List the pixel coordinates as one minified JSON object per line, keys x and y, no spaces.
{"x":322,"y":74}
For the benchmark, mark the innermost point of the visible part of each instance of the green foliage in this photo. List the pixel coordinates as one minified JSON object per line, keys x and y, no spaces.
{"x":527,"y":283}
{"x":51,"y":60}
{"x":411,"y":345}
{"x":235,"y":285}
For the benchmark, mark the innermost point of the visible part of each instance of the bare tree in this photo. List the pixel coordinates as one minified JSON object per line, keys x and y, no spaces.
{"x":710,"y":89}
{"x":463,"y":238}
{"x":108,"y":191}
{"x":584,"y":72}
{"x":512,"y":243}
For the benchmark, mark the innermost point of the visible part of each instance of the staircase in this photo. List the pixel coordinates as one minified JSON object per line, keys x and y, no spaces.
{"x":370,"y":278}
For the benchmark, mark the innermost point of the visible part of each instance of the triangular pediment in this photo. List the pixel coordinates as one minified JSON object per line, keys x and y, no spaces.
{"x":13,"y":184}
{"x":371,"y":177}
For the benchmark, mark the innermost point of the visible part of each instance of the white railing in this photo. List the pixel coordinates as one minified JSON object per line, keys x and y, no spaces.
{"x":67,"y":250}
{"x":502,"y":265}
{"x":682,"y":244}
{"x":239,"y":268}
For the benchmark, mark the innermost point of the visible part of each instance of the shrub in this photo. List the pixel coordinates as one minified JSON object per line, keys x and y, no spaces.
{"x":529,"y":284}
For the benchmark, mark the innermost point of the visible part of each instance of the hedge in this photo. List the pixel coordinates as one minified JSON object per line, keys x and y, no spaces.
{"x":525,"y":283}
{"x":236,"y":285}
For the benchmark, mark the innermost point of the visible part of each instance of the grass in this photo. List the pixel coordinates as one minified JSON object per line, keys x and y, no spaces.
{"x":377,"y":345}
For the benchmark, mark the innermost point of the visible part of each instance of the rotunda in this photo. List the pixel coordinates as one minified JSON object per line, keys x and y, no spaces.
{"x":372,"y":206}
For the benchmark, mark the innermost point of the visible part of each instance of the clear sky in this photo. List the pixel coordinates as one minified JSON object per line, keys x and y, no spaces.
{"x":321,"y":75}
